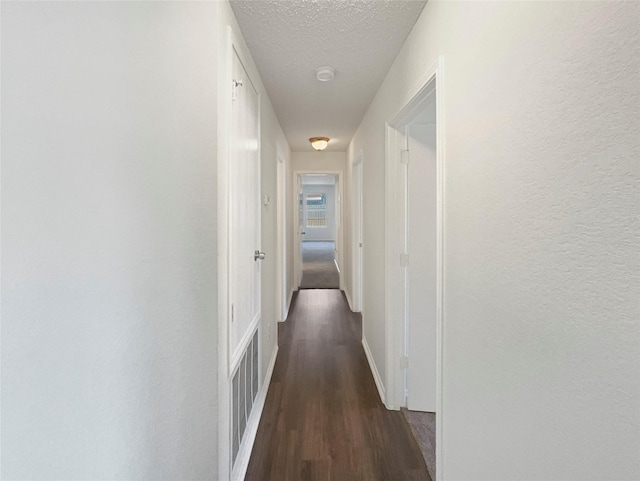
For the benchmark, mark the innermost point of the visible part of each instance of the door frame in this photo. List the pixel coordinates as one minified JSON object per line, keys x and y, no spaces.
{"x":395,"y":273}
{"x":281,"y":236}
{"x":357,"y":216}
{"x":416,"y":378}
{"x":297,"y":255}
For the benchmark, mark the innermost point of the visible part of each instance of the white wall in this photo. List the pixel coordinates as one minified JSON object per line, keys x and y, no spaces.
{"x":541,"y":335}
{"x":273,"y":145}
{"x":109,"y":238}
{"x":271,"y":136}
{"x":421,"y":278}
{"x":109,"y":241}
{"x":318,"y":161}
{"x":327,"y":233}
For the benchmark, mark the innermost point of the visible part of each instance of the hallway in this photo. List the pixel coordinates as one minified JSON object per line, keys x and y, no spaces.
{"x":318,"y":266}
{"x":479,"y":175}
{"x":323,"y":418}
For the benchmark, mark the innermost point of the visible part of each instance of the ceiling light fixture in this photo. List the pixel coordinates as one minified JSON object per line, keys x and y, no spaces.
{"x":324,"y":74}
{"x":319,"y":143}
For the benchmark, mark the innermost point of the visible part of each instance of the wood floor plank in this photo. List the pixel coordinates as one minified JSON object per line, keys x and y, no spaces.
{"x":323,"y":419}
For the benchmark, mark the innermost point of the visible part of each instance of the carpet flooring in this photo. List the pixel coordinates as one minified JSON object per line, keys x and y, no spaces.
{"x":318,"y":267}
{"x":423,"y":427}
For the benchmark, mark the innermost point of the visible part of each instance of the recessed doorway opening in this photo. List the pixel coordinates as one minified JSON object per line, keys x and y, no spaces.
{"x":317,"y":216}
{"x":414,"y":261}
{"x":318,"y":234}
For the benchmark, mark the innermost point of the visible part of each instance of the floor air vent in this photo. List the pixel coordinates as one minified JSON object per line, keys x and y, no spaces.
{"x":245,"y":390}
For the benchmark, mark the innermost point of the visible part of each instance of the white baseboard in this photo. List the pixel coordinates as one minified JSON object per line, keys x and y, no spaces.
{"x":374,"y":369}
{"x":244,"y":454}
{"x":286,"y":311}
{"x":346,"y":293}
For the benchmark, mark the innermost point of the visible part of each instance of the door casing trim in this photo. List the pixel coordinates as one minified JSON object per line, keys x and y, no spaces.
{"x":394,"y":274}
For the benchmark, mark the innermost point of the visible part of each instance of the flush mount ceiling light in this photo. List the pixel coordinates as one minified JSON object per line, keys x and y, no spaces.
{"x":324,"y":74}
{"x":319,"y":143}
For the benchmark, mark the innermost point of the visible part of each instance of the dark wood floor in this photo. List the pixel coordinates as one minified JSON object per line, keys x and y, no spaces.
{"x":323,"y":418}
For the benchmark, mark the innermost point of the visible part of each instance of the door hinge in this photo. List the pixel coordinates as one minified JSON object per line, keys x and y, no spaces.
{"x":404,"y":260}
{"x":234,"y":88}
{"x":404,"y":157}
{"x":232,"y":313}
{"x":404,"y":362}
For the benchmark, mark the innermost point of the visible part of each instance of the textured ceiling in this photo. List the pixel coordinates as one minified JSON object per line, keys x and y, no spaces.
{"x":290,"y":39}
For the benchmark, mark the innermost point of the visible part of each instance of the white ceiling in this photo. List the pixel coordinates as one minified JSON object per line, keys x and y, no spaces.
{"x":290,"y":39}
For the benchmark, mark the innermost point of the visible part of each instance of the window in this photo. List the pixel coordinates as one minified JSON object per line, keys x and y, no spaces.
{"x":316,"y":210}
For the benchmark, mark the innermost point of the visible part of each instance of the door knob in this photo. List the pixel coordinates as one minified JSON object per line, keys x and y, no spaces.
{"x":258,"y":255}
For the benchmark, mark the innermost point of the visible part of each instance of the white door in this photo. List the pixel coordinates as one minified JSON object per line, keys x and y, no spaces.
{"x":357,"y":233}
{"x":244,"y":213}
{"x":422,"y":269}
{"x":337,"y":253}
{"x":282,"y":240}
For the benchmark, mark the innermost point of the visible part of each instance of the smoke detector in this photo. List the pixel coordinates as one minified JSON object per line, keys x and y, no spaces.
{"x":324,"y":74}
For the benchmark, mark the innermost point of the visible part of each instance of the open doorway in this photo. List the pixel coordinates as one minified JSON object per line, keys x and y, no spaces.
{"x":414,"y":285}
{"x":318,"y":202}
{"x":421,"y":280}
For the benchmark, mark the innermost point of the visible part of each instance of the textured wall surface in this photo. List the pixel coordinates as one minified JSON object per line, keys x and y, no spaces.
{"x":109,"y":334}
{"x":542,"y":334}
